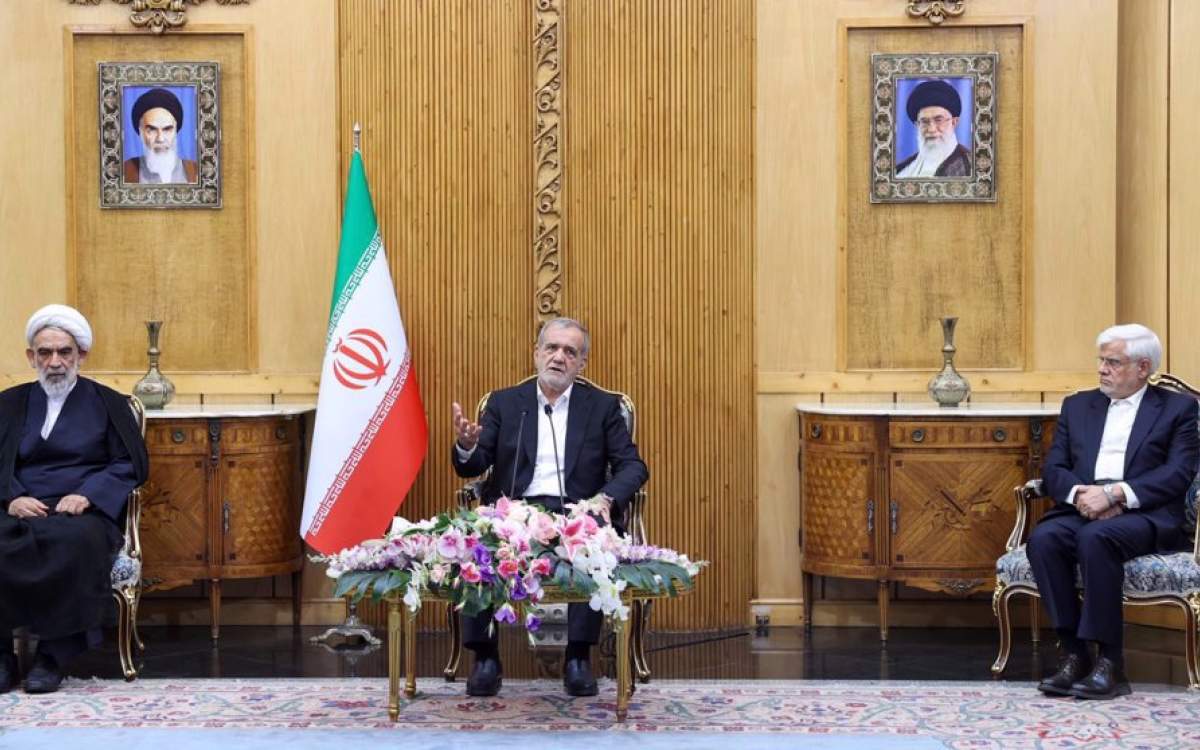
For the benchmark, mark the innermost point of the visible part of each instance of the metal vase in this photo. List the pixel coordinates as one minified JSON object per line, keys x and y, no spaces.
{"x":948,"y":387}
{"x":154,"y":390}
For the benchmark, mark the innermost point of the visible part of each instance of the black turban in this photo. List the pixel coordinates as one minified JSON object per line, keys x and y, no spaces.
{"x":933,"y":94}
{"x":157,"y":99}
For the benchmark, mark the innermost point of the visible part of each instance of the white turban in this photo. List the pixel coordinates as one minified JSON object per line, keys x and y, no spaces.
{"x":60,"y":316}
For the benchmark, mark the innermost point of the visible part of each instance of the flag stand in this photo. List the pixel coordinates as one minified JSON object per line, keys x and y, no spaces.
{"x":351,"y":628}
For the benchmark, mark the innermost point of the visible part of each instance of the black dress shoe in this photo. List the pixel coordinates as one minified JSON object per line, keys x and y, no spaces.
{"x":485,"y":678}
{"x":578,"y":679}
{"x":1105,"y":682}
{"x":8,"y":672}
{"x":45,"y":676}
{"x":1071,"y":670}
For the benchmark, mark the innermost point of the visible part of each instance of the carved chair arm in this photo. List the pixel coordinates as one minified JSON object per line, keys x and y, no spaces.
{"x":470,"y":494}
{"x":1025,"y":494}
{"x":635,"y":520}
{"x":133,"y":518}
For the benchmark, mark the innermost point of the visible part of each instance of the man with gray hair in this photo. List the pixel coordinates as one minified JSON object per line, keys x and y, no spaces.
{"x":552,"y":441}
{"x":1122,"y":459}
{"x":70,"y":454}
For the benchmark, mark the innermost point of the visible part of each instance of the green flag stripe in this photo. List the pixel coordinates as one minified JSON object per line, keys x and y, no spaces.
{"x":351,"y":285}
{"x":359,"y":231}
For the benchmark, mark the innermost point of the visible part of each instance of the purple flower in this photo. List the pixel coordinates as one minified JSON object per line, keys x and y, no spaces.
{"x":517,"y":593}
{"x":506,"y":614}
{"x":532,"y":622}
{"x":482,"y":556}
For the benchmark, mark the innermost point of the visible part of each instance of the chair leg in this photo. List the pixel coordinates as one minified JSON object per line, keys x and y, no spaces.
{"x":452,"y":619}
{"x":1000,"y":609}
{"x":1035,"y":614}
{"x":639,"y":618}
{"x":126,"y":606}
{"x":1191,"y":611}
{"x":133,"y":618}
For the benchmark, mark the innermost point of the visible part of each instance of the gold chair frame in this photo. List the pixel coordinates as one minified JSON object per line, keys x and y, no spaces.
{"x":129,"y":595}
{"x":1188,"y":601}
{"x":640,"y":607}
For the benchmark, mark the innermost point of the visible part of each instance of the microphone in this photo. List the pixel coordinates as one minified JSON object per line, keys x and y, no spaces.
{"x":512,"y":487}
{"x":562,"y":496}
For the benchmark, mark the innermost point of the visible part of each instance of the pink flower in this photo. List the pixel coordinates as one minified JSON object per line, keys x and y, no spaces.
{"x":540,"y":566}
{"x":451,"y":545}
{"x":470,"y":573}
{"x":508,"y":568}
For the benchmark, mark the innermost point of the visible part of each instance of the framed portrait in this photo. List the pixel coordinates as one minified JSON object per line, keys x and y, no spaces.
{"x":933,"y":128}
{"x":160,"y":135}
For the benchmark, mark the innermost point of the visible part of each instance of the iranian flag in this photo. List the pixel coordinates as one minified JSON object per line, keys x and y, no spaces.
{"x":370,"y":436}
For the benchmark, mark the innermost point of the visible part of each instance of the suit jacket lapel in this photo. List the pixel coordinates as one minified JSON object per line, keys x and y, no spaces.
{"x":1146,"y":416}
{"x":577,"y":418}
{"x":529,"y":433}
{"x":1097,"y":414}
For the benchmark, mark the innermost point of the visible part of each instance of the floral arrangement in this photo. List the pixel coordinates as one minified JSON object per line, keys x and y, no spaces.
{"x":504,"y":555}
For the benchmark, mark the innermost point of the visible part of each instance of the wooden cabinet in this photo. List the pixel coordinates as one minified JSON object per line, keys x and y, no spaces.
{"x":223,"y":499}
{"x":919,"y":495}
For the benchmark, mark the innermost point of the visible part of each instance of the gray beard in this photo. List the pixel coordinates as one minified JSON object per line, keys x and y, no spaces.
{"x":162,"y":164}
{"x":59,"y":385}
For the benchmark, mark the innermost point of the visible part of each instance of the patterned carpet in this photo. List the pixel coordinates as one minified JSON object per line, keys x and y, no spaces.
{"x":958,"y":715}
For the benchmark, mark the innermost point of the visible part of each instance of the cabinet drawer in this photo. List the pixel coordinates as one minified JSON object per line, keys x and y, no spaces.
{"x":963,"y":433}
{"x":176,"y":436}
{"x":841,"y":432}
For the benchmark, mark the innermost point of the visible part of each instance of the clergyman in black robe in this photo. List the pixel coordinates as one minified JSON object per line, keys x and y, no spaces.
{"x":70,"y":454}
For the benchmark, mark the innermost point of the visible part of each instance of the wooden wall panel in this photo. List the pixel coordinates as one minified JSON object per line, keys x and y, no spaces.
{"x":441,"y":91}
{"x":907,"y":265}
{"x":659,"y":261}
{"x":1183,"y":211}
{"x":189,"y":268}
{"x":1142,"y":130}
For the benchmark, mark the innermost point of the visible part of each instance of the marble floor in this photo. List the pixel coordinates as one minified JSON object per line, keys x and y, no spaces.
{"x":1154,"y":656}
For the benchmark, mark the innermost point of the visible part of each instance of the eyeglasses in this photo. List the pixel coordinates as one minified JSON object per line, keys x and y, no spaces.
{"x":938,"y":120}
{"x":1112,"y":363}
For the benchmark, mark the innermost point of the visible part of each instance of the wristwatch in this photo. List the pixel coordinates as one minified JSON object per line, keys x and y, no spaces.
{"x":1108,"y":493}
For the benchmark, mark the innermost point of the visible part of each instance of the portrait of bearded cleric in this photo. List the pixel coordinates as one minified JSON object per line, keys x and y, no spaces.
{"x":159,"y":135}
{"x":933,"y":128}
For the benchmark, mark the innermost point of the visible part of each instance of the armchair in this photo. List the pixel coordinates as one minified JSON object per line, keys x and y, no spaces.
{"x":1172,"y":579}
{"x":634,"y":523}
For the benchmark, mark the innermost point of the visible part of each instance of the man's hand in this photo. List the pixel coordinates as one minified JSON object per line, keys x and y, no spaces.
{"x":465,"y":431}
{"x":27,"y":507}
{"x":1091,"y":501}
{"x":72,"y":505}
{"x":1112,"y":512}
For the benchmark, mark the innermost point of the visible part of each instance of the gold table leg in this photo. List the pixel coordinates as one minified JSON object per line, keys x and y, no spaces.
{"x":624,"y":682}
{"x":394,"y":659}
{"x":410,"y":654}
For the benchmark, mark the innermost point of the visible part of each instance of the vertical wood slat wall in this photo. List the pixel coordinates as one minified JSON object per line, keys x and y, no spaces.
{"x":658,"y":243}
{"x":659,"y":260}
{"x":440,"y":90}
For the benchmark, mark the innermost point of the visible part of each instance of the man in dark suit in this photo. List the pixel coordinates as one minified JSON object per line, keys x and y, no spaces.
{"x":551,"y":441}
{"x":70,"y":454}
{"x":1122,"y":459}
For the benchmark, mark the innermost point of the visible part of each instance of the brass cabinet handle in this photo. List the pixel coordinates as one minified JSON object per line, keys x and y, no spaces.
{"x":177,"y":436}
{"x":895,"y":514}
{"x":280,"y":433}
{"x":815,"y":430}
{"x":999,"y":435}
{"x":870,"y":516}
{"x":918,"y":435}
{"x":226,"y":512}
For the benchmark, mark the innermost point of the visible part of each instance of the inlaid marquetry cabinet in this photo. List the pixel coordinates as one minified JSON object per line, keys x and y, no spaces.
{"x":916,"y":494}
{"x":223,"y":498}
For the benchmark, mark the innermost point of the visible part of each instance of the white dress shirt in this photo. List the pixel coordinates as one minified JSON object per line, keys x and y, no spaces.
{"x":54,"y":405}
{"x":1110,"y":460}
{"x":545,"y":469}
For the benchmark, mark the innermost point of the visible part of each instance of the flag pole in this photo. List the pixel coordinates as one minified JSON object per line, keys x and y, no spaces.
{"x":352,"y":627}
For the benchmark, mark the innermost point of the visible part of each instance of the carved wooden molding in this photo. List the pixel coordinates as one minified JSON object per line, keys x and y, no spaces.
{"x":158,"y":15}
{"x":548,"y":136}
{"x":936,"y":11}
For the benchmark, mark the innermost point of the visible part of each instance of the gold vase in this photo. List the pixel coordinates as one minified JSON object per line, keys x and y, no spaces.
{"x":154,"y":390}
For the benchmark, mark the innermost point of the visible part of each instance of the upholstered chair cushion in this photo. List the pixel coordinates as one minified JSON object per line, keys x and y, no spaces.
{"x":126,"y":571}
{"x":1145,"y":577}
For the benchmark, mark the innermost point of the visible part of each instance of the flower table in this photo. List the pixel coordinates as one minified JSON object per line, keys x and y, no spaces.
{"x":402,"y":640}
